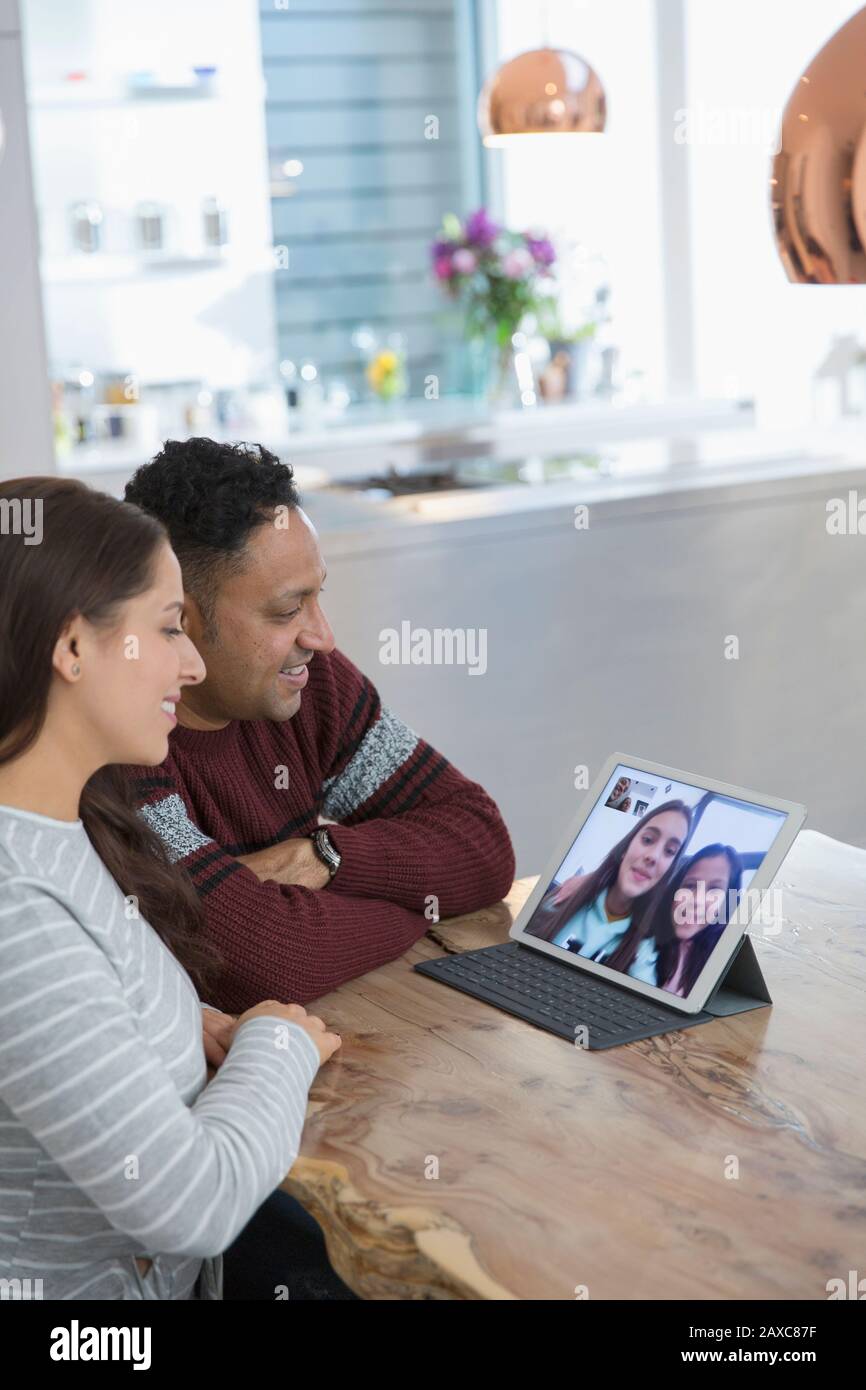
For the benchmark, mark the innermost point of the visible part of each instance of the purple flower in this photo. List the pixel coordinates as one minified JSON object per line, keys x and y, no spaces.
{"x":480,"y":229}
{"x":540,"y":249}
{"x":465,"y":261}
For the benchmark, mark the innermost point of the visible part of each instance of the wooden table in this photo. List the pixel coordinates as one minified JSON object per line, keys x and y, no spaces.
{"x":452,"y":1151}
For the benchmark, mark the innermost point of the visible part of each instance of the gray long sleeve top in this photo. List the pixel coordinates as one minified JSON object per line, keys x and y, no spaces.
{"x":112,"y":1143}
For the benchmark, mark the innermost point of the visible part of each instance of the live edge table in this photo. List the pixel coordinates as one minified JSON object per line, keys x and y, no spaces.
{"x":454,"y":1152}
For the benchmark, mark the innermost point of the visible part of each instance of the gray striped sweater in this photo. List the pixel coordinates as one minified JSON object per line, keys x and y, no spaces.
{"x":112,"y":1143}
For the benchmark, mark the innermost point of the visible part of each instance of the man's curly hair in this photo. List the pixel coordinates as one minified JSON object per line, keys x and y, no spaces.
{"x":210,"y":497}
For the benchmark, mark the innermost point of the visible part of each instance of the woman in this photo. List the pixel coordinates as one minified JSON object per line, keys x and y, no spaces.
{"x":123,"y":1174}
{"x":693,"y":912}
{"x":603,"y":915}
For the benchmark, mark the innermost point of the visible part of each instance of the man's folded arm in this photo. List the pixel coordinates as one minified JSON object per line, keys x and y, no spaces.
{"x":409,"y":824}
{"x":289,"y":943}
{"x":450,"y":843}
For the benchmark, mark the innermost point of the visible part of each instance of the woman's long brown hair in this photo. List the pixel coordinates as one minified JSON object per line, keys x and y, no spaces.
{"x":555,"y":909}
{"x":707,"y":939}
{"x":95,"y":553}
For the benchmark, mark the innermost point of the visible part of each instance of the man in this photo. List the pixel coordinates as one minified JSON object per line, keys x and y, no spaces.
{"x":285,"y":730}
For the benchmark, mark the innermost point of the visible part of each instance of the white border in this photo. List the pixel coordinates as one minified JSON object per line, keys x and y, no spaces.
{"x":763,"y":878}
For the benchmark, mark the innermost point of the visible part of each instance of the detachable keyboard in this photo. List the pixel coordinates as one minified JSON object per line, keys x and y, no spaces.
{"x":555,"y":996}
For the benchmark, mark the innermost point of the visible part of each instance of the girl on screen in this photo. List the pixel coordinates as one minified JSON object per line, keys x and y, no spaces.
{"x":693,"y":913}
{"x":603,"y":914}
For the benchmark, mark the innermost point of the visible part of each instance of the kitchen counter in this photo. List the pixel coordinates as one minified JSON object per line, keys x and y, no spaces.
{"x":368,"y":436}
{"x":628,"y":477}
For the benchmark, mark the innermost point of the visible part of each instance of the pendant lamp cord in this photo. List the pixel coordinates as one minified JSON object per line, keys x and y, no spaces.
{"x":546,"y":23}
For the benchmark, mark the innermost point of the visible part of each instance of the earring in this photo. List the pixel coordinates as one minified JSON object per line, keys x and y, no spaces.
{"x":76,"y":670}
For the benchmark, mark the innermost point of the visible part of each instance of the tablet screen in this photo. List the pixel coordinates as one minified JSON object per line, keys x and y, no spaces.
{"x":654,"y":877}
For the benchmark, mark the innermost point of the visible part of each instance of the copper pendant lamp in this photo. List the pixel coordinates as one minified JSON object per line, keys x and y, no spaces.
{"x":547,"y":91}
{"x":818,"y":183}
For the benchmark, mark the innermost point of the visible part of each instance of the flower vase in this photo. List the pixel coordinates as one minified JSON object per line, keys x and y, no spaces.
{"x":503,"y":389}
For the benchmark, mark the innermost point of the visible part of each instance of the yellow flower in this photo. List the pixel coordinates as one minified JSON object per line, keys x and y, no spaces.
{"x":383,"y":366}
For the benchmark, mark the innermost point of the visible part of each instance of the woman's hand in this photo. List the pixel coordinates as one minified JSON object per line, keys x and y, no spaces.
{"x":218,"y":1029}
{"x":326,"y":1043}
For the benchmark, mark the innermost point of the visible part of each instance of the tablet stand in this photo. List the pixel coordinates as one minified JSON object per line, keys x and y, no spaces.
{"x":741,"y":987}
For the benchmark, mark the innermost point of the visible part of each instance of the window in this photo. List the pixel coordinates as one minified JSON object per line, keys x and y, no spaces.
{"x":754,"y":331}
{"x":371,"y":134}
{"x":602,"y":193}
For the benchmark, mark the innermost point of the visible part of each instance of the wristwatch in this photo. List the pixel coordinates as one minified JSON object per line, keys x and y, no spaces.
{"x":326,"y":849}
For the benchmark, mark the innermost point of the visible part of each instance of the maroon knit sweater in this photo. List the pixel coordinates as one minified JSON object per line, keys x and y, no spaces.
{"x":409,"y":825}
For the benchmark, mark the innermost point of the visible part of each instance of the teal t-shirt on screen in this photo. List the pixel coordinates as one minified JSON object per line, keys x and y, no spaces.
{"x":589,"y":926}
